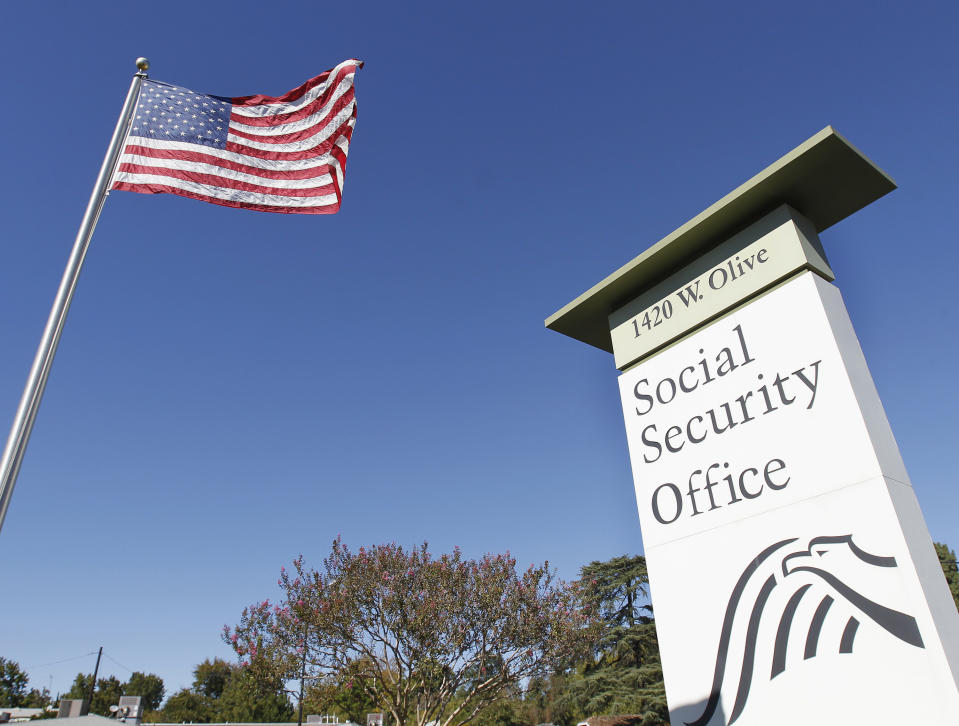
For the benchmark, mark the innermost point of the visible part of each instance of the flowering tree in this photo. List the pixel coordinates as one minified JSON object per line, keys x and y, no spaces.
{"x":426,"y":639}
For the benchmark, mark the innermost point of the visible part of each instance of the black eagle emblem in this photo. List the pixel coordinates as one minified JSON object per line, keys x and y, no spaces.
{"x":809,"y":560}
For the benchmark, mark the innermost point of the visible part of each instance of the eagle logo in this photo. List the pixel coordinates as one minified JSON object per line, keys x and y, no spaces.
{"x":809,"y":561}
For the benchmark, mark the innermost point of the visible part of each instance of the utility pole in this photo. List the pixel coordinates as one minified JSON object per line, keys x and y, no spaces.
{"x":93,"y":683}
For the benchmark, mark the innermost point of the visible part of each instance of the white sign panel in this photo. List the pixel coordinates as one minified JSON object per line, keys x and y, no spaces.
{"x":780,"y":530}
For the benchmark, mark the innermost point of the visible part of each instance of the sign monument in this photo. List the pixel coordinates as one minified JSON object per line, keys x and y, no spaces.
{"x":794,"y":578}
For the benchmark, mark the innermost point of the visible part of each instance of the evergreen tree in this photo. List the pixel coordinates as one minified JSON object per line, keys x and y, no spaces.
{"x":247,"y":699}
{"x":339,"y":697}
{"x":37,"y":698}
{"x":13,"y":683}
{"x":625,"y":675}
{"x":186,"y":706}
{"x":211,"y":676}
{"x":547,"y":700}
{"x":148,"y":686}
{"x":947,"y":559}
{"x":107,"y":693}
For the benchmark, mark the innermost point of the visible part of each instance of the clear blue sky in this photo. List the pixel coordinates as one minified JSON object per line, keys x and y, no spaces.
{"x":236,"y":388}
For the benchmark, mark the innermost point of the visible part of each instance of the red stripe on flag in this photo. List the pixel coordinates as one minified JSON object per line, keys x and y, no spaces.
{"x":337,"y":153}
{"x":321,"y":124}
{"x":226,"y":183}
{"x":289,"y":96}
{"x":192,"y":156}
{"x":164,"y":189}
{"x":282,"y":118}
{"x":319,"y":150}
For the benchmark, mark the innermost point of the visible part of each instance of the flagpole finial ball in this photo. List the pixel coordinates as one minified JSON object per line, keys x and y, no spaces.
{"x":142,"y":63}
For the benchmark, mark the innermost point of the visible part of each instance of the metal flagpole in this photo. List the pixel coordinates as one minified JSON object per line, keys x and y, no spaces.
{"x":40,"y":371}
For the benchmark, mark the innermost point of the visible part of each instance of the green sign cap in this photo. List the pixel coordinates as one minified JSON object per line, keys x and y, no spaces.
{"x":825,"y":178}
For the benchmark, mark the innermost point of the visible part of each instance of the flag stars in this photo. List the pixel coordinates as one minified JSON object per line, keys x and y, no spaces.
{"x":180,"y":114}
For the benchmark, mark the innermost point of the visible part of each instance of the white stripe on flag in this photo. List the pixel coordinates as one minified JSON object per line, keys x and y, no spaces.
{"x":201,"y":168}
{"x":234,"y":195}
{"x":310,"y":143}
{"x":266,"y":164}
{"x":293,"y":126}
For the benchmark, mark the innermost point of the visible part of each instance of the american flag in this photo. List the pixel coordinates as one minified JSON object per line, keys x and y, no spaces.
{"x":285,"y":154}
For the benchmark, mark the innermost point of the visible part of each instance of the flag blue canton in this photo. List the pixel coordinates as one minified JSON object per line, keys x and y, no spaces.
{"x":172,"y":113}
